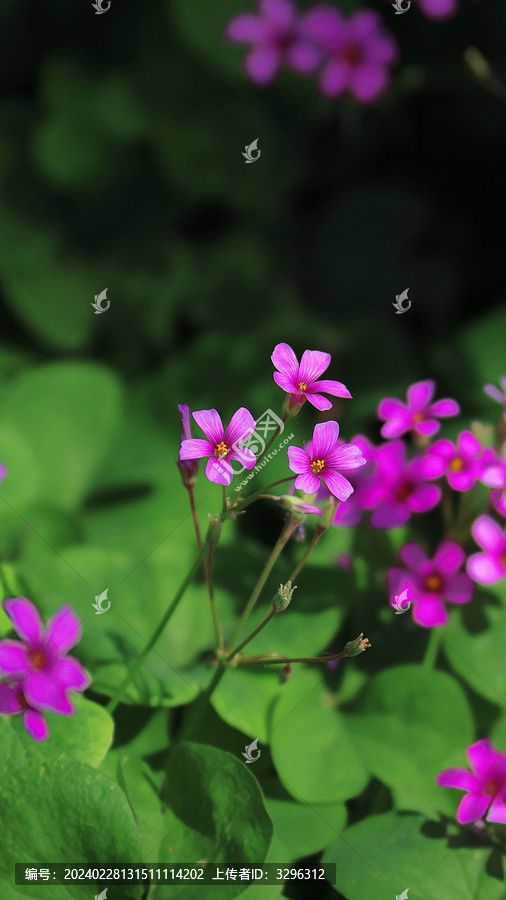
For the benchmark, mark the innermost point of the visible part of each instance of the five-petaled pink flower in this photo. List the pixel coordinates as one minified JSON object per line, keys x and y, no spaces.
{"x":489,"y":566}
{"x":277,"y":38}
{"x":430,"y":583}
{"x":38,"y":664}
{"x":301,"y":381}
{"x":357,"y":52}
{"x":323,"y":457}
{"x":462,"y":464}
{"x":397,"y":487}
{"x":485,"y":786}
{"x":418,"y":413}
{"x":221,"y":446}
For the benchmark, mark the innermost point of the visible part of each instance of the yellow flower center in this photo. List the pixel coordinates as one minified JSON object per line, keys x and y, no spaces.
{"x":316,"y":466}
{"x":38,"y":659}
{"x":456,"y":465}
{"x":302,"y":386}
{"x":418,"y":417}
{"x":493,"y":787}
{"x":221,"y":450}
{"x":433,"y":583}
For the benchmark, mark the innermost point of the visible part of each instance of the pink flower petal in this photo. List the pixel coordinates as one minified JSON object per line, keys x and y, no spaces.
{"x":285,"y":360}
{"x":458,"y":778}
{"x":298,"y":461}
{"x":468,"y":445}
{"x":427,"y":427}
{"x":389,"y":407}
{"x":368,"y":81}
{"x":285,"y":383}
{"x":430,"y":611}
{"x":335,"y":388}
{"x":495,"y":476}
{"x":303,"y":57}
{"x":337,"y":484}
{"x":307,"y":482}
{"x":325,"y":438}
{"x":64,"y":630}
{"x":420,"y":394}
{"x":25,"y":618}
{"x":13,"y":659}
{"x":413,"y":556}
{"x":279,"y":12}
{"x":245,"y":29}
{"x":318,"y":401}
{"x":219,"y":471}
{"x":70,"y":674}
{"x":210,"y":422}
{"x":444,"y":408}
{"x":482,"y":755}
{"x":245,"y":456}
{"x":397,"y":425}
{"x":425,"y":497}
{"x":497,"y":812}
{"x":438,"y":9}
{"x":262,"y":64}
{"x":487,"y":533}
{"x":195,"y":448}
{"x":433,"y":466}
{"x":484,"y":569}
{"x":449,"y":557}
{"x":348,"y":456}
{"x":334,"y":79}
{"x":461,"y":481}
{"x":46,"y":694}
{"x":471,"y":808}
{"x":312,"y":365}
{"x":242,"y":425}
{"x":389,"y":514}
{"x":459,"y":589}
{"x":36,"y":725}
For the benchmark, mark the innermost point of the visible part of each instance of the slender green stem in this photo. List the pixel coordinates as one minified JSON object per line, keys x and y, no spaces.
{"x":197,"y":528}
{"x":275,"y":434}
{"x":309,"y":550}
{"x":216,"y":620}
{"x":267,"y":618}
{"x":111,"y":706}
{"x":259,"y":660}
{"x":246,"y":502}
{"x":431,"y":652}
{"x":285,"y":535}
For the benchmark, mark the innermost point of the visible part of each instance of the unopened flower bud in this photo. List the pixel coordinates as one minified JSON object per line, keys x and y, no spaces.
{"x":291,"y":406}
{"x":188,"y":468}
{"x":328,"y":514}
{"x":354,"y":648}
{"x":283,"y":596}
{"x":214,"y":530}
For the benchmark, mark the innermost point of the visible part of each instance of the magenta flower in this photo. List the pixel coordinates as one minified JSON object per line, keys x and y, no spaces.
{"x":12,"y":701}
{"x":357,"y":52}
{"x":322,"y":458}
{"x":397,"y":488}
{"x":438,"y":9}
{"x":39,"y":663}
{"x":485,"y":786}
{"x":494,"y":475}
{"x":188,"y":468}
{"x":301,"y":381}
{"x":462,"y":464}
{"x":489,"y":566}
{"x":431,"y":582}
{"x":418,"y":414}
{"x":277,"y":38}
{"x":496,"y":394}
{"x":3,"y":471}
{"x":221,"y":446}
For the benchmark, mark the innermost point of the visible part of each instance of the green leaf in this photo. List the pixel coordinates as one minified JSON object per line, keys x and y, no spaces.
{"x":134,"y":777}
{"x":244,"y":699}
{"x":482,"y":342}
{"x":383,"y":856}
{"x":310,"y":745}
{"x":412,"y":723}
{"x":300,"y":830}
{"x":85,"y":736}
{"x":215,"y":812}
{"x":65,"y":811}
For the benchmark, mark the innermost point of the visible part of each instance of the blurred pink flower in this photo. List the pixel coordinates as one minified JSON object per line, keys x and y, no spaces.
{"x":418,"y":414}
{"x":485,"y":786}
{"x":357,"y":51}
{"x":462,"y":464}
{"x":438,"y":9}
{"x":431,"y":582}
{"x":221,"y":446}
{"x":12,"y":701}
{"x":489,"y":566}
{"x":301,"y":381}
{"x":494,"y":475}
{"x":323,"y":457}
{"x":39,"y":662}
{"x":397,"y":488}
{"x":277,"y":39}
{"x":496,"y":394}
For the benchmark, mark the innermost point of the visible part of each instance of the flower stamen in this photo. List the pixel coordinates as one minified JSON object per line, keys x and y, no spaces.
{"x":221,"y":450}
{"x":316,"y":465}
